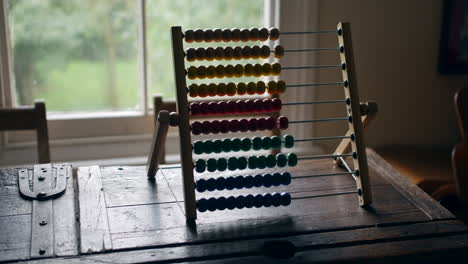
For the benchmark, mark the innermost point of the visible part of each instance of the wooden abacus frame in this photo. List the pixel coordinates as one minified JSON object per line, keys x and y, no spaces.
{"x":358,"y":116}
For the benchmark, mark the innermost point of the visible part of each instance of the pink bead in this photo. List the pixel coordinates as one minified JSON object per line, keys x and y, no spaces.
{"x":212,"y":108}
{"x":276,"y":104}
{"x":283,"y":122}
{"x":267,"y":105}
{"x":258,"y":105}
{"x":206,"y":127}
{"x":262,"y":124}
{"x":271,"y":123}
{"x":241,"y":106}
{"x":231,"y":107}
{"x":250,"y":106}
{"x":204,"y":109}
{"x":224,"y":126}
{"x":243,"y":125}
{"x":194,"y":109}
{"x":215,"y":127}
{"x":234,"y":126}
{"x":196,"y":128}
{"x":222,"y":106}
{"x":253,"y":124}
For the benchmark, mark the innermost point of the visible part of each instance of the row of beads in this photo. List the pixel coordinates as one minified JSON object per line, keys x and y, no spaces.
{"x":241,"y":163}
{"x":242,"y":88}
{"x":229,"y":53}
{"x":244,"y":144}
{"x":240,"y":202}
{"x":235,"y":107}
{"x":235,"y":34}
{"x":240,"y":182}
{"x":230,"y":71}
{"x":243,"y":125}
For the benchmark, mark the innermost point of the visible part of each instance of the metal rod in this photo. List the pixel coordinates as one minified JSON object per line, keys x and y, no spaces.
{"x":308,"y":32}
{"x":310,"y":67}
{"x":334,"y":156}
{"x":321,"y":138}
{"x":319,"y":120}
{"x":306,"y":50}
{"x":170,"y":167}
{"x":323,"y":175}
{"x":316,"y":102}
{"x":324,"y":195}
{"x":314,"y":84}
{"x":348,"y":168}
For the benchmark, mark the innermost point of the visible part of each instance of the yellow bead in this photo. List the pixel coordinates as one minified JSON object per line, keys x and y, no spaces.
{"x":266,"y":69}
{"x":261,"y":87}
{"x":256,"y":51}
{"x":237,"y":53}
{"x":231,"y":89}
{"x":251,"y":88}
{"x":238,"y":70}
{"x":211,"y":71}
{"x":202,"y":90}
{"x":281,"y":86}
{"x":257,"y":70}
{"x":209,"y":54}
{"x":241,"y":88}
{"x":192,"y":72}
{"x":272,"y":87}
{"x":219,"y":53}
{"x":201,"y":72}
{"x":276,"y":69}
{"x":220,"y":71}
{"x":222,"y":88}
{"x":279,"y":52}
{"x":248,"y":70}
{"x":228,"y":53}
{"x":229,"y":71}
{"x":212,"y":89}
{"x":193,"y":90}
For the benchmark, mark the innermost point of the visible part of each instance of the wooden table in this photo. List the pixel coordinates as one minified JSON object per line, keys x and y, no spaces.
{"x":122,"y":217}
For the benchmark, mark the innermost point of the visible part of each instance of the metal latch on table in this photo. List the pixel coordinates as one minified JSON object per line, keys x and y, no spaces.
{"x":43,"y":179}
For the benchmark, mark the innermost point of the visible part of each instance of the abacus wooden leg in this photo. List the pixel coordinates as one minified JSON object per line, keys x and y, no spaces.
{"x":157,"y":147}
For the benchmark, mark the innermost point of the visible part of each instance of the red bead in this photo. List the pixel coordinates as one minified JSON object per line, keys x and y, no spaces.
{"x":212,"y":108}
{"x":222,"y":107}
{"x":224,"y":126}
{"x":241,"y":106}
{"x":253,"y":124}
{"x":215,"y":127}
{"x":262,"y":124}
{"x":196,"y":128}
{"x":258,"y":105}
{"x":206,"y":127}
{"x":204,"y":109}
{"x":231,"y":107}
{"x":234,"y":126}
{"x":243,"y":125}
{"x":283,"y":122}
{"x":250,"y":106}
{"x":276,"y":104}
{"x":267,"y":105}
{"x":195,"y":109}
{"x":271,"y":123}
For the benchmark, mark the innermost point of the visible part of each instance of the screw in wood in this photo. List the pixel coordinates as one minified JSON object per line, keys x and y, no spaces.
{"x":43,"y":223}
{"x":41,"y":178}
{"x":41,"y":194}
{"x":42,"y":251}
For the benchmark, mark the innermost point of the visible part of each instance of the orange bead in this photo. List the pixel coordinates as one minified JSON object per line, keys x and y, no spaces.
{"x":281,"y":87}
{"x":238,"y":70}
{"x":189,"y":36}
{"x":266,"y":69}
{"x":211,"y":71}
{"x":209,"y":54}
{"x":265,"y":52}
{"x":274,"y":33}
{"x":202,"y":90}
{"x":254,"y":34}
{"x":193,"y":90}
{"x":229,"y":71}
{"x":220,"y":71}
{"x":256,"y":51}
{"x":236,"y":33}
{"x":227,"y":35}
{"x":208,"y":35}
{"x":272,"y":87}
{"x":201,"y":72}
{"x":192,"y":72}
{"x":257,"y":70}
{"x":198,"y":35}
{"x":244,"y":35}
{"x":246,"y":52}
{"x":228,"y":53}
{"x":237,"y":53}
{"x":279,"y":51}
{"x":217,"y":35}
{"x":200,"y":53}
{"x":191,"y":54}
{"x":276,"y":69}
{"x":263,"y":34}
{"x":219,"y":53}
{"x":248,"y":70}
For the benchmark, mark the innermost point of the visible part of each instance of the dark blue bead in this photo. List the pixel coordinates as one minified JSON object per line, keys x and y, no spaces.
{"x":211,"y":184}
{"x":239,"y":182}
{"x":220,"y":183}
{"x":276,"y":179}
{"x":201,"y":185}
{"x":248,"y":182}
{"x":258,"y":200}
{"x":258,"y":180}
{"x":249,"y":201}
{"x":212,"y":204}
{"x":231,"y":202}
{"x":267,"y":180}
{"x":276,"y":199}
{"x":267,"y":199}
{"x":285,"y":178}
{"x":202,"y":205}
{"x":230,"y":183}
{"x":240,"y":202}
{"x":221,"y":203}
{"x":285,"y":199}
{"x":241,"y":163}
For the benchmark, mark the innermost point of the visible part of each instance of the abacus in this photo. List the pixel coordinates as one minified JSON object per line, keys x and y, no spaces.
{"x":350,"y":147}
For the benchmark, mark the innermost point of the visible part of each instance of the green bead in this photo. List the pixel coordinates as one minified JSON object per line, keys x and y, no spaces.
{"x":261,"y":162}
{"x":211,"y":165}
{"x":227,"y":145}
{"x":241,"y":163}
{"x":198,"y":147}
{"x":236,"y":144}
{"x":271,"y":161}
{"x":207,"y":146}
{"x":266,"y":143}
{"x":288,"y":141}
{"x":292,"y":159}
{"x":232,"y":163}
{"x":200,"y":165}
{"x":246,"y":144}
{"x":252,"y":162}
{"x":275,"y":142}
{"x":281,"y":160}
{"x":222,"y":164}
{"x":217,"y":146}
{"x":257,"y":143}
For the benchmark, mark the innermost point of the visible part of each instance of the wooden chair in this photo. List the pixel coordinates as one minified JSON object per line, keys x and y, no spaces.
{"x":28,"y":118}
{"x":159,"y":104}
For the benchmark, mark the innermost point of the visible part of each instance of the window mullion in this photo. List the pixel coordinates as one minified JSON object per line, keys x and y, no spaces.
{"x":143,"y":54}
{"x":7,"y":91}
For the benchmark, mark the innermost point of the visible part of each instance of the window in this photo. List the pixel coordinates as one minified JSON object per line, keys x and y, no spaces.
{"x":97,"y":63}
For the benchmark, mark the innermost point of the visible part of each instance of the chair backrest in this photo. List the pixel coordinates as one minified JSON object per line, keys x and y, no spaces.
{"x":29,"y":118}
{"x":460,"y":151}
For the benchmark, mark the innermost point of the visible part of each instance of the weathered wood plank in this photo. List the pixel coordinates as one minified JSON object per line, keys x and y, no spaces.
{"x":15,"y":237}
{"x":413,"y":193}
{"x":321,"y":246}
{"x":11,"y":202}
{"x":94,"y":226}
